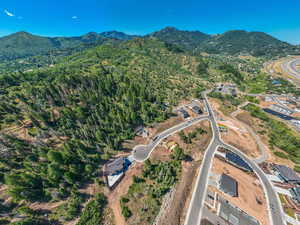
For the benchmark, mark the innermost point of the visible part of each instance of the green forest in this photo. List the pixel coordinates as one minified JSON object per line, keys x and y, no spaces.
{"x":65,"y":112}
{"x":78,"y":113}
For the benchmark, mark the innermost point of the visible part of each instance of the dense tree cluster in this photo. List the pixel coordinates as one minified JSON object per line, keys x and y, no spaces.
{"x":280,"y":135}
{"x":60,"y":124}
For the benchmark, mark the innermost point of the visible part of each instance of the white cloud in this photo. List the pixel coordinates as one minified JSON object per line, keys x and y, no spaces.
{"x":8,"y":13}
{"x":74,"y":17}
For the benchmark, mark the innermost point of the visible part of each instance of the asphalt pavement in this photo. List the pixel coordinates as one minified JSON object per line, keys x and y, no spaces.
{"x":290,"y":67}
{"x":195,"y":210}
{"x":142,"y":152}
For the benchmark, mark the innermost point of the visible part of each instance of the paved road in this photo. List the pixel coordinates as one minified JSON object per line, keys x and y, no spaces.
{"x":290,"y":67}
{"x":142,"y":152}
{"x":194,"y":214}
{"x":278,"y":217}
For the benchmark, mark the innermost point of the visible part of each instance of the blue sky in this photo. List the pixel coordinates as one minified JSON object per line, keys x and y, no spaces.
{"x":76,"y":17}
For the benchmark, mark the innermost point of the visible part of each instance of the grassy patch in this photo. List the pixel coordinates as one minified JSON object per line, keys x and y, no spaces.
{"x":282,"y":199}
{"x":280,"y":135}
{"x":290,"y":212}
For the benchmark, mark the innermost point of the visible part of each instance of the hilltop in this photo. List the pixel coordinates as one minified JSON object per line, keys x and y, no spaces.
{"x":236,"y":42}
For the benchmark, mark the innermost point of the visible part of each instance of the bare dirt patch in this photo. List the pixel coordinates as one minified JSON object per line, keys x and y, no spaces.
{"x":199,"y":144}
{"x":249,"y":190}
{"x":175,"y":215}
{"x":161,"y":153}
{"x":120,"y":190}
{"x":237,"y":135}
{"x":173,"y":121}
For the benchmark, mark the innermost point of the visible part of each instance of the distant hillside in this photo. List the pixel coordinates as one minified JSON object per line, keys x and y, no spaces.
{"x":237,"y":42}
{"x":243,"y":42}
{"x":23,"y":44}
{"x":234,"y":42}
{"x":118,"y":35}
{"x":188,"y":40}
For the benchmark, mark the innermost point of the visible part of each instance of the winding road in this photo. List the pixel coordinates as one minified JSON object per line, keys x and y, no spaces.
{"x":261,"y":146}
{"x":142,"y":152}
{"x":290,"y":67}
{"x":194,"y":214}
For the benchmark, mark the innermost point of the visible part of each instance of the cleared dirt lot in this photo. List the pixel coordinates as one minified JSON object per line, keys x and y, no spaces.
{"x":249,"y":189}
{"x":237,"y":135}
{"x":120,"y":190}
{"x":183,"y":187}
{"x":176,"y":214}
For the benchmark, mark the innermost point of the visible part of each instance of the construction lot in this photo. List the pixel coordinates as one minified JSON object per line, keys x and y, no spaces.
{"x":250,"y":198}
{"x":236,"y":135}
{"x":175,"y":202}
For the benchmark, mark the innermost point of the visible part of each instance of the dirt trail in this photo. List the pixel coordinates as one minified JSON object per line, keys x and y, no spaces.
{"x":46,"y":205}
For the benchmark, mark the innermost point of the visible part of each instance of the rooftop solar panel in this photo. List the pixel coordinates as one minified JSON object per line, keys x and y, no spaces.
{"x":280,"y":115}
{"x":235,"y":159}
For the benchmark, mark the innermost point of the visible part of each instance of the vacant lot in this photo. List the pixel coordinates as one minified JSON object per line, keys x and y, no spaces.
{"x":140,"y":195}
{"x":259,"y":127}
{"x":237,"y":134}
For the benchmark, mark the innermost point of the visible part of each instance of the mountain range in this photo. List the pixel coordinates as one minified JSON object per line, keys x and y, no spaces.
{"x":23,"y":44}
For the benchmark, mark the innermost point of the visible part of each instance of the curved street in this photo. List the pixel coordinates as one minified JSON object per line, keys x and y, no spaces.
{"x":142,"y":152}
{"x":262,"y":148}
{"x":194,"y":214}
{"x":290,"y":67}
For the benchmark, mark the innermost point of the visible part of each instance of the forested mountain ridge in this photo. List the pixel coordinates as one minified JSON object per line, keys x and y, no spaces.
{"x":236,"y":42}
{"x":188,"y":40}
{"x":118,"y":35}
{"x":76,"y":115}
{"x":23,"y":44}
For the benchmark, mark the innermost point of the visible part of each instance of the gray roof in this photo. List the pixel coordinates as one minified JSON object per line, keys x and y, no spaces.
{"x":115,"y":166}
{"x":229,"y":185}
{"x":287,"y":173}
{"x":184,"y":113}
{"x":296,"y":194}
{"x":234,"y":215}
{"x":197,"y":109}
